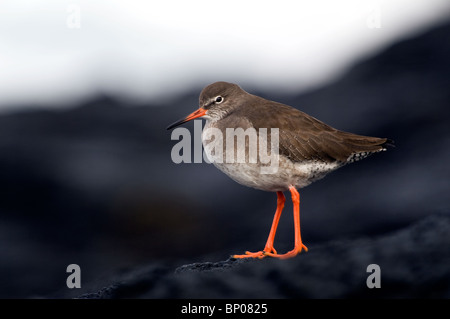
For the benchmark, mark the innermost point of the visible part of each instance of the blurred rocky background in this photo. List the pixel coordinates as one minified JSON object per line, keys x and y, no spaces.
{"x":94,"y":184}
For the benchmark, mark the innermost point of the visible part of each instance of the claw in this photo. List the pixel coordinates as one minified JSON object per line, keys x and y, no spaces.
{"x":259,"y":254}
{"x":294,"y":252}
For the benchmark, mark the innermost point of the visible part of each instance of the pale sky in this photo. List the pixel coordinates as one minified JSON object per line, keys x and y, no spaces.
{"x":53,"y":52}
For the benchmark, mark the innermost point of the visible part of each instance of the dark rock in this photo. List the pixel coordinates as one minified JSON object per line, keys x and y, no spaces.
{"x":414,"y":263}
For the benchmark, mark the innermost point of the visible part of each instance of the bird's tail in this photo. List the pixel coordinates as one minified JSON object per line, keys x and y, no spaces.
{"x":388,"y":143}
{"x":362,"y":147}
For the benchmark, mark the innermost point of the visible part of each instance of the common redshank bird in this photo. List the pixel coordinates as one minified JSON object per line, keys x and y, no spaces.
{"x":307,"y":149}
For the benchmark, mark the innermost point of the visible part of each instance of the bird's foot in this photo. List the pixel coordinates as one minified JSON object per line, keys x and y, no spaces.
{"x":259,"y":254}
{"x":294,"y":252}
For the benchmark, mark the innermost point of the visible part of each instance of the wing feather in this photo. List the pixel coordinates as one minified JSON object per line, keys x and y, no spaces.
{"x":303,"y":137}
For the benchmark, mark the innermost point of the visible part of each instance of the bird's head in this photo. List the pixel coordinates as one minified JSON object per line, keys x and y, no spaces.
{"x":216,"y":101}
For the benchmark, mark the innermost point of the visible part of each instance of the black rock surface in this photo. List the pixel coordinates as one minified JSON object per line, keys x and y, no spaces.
{"x":413,"y":262}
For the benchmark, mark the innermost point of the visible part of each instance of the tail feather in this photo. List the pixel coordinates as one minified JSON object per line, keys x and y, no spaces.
{"x":364,"y":147}
{"x":388,"y":143}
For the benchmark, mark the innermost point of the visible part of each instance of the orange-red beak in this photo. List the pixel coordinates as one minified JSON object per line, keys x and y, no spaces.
{"x":199,"y":113}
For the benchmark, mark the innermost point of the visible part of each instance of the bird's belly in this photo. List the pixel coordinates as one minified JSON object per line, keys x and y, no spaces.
{"x":250,"y":175}
{"x":286,"y":174}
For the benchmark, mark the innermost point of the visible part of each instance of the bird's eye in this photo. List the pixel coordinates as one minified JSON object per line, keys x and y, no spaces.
{"x":219,"y":99}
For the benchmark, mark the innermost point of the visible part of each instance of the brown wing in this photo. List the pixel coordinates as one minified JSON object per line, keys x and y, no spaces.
{"x":303,"y":137}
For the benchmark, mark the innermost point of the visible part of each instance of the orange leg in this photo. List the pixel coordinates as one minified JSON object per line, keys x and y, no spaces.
{"x":298,"y":247}
{"x":269,"y":244}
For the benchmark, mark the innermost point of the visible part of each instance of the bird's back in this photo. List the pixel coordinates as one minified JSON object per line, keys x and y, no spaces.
{"x":305,"y":138}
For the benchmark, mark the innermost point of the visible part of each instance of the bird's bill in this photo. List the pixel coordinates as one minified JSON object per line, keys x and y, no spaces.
{"x":199,"y":113}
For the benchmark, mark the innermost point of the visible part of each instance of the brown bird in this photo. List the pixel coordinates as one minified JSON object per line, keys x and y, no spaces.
{"x":302,"y":148}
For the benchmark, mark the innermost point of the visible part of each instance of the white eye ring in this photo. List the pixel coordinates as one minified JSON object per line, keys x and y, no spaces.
{"x":218,"y":99}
